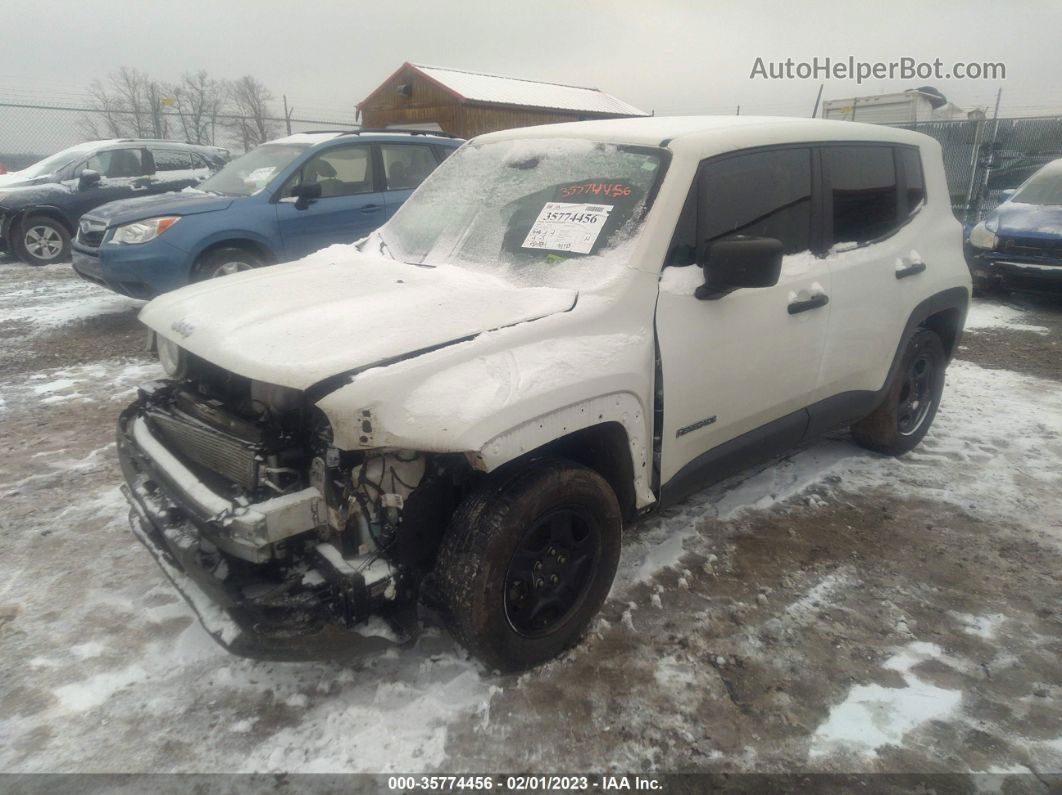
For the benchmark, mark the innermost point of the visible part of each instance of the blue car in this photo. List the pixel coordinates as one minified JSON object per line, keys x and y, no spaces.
{"x":277,"y":203}
{"x":1019,"y":244}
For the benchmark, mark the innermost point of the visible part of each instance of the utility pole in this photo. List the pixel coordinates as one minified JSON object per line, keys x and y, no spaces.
{"x":287,"y":113}
{"x":738,"y":110}
{"x":815,"y":110}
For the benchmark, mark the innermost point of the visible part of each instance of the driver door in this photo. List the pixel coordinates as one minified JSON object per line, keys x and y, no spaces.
{"x":739,"y":370}
{"x":350,"y":206}
{"x":123,"y":174}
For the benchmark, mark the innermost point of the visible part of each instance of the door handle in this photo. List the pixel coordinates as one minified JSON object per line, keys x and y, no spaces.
{"x":910,"y":270}
{"x":796,"y":307}
{"x":372,"y":208}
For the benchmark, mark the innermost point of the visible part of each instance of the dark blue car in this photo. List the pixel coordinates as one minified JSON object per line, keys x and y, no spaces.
{"x":40,"y":205}
{"x":277,"y":203}
{"x":1019,"y":244}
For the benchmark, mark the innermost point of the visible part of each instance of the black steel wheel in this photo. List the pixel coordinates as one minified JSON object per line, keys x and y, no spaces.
{"x":911,"y":402}
{"x":551,"y":570}
{"x":528,"y":561}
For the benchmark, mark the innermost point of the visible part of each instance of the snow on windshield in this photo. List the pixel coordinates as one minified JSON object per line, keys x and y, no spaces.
{"x":557,"y":212}
{"x":55,"y":163}
{"x":247,"y":175}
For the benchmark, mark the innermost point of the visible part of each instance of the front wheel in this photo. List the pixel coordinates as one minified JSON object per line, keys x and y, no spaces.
{"x":528,"y":561}
{"x":42,"y":241}
{"x":225,"y":262}
{"x":898,"y":425}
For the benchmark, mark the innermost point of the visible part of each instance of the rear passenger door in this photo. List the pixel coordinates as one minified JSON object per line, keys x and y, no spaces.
{"x":351,"y":203}
{"x":405,"y":166}
{"x":873,"y":195}
{"x":176,"y":170}
{"x":750,"y":360}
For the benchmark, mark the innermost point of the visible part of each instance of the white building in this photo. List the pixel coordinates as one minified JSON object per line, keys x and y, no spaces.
{"x":914,"y":105}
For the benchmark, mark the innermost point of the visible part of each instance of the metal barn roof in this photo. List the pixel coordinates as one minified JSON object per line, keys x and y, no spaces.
{"x":498,"y":90}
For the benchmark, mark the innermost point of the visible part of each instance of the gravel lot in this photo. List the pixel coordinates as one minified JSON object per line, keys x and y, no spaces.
{"x":837,"y":611}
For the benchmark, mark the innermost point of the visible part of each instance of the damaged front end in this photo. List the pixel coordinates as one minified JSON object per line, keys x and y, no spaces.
{"x":286,"y":547}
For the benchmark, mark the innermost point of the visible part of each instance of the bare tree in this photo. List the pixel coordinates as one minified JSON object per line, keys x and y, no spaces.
{"x":199,"y":101}
{"x":129,"y":104}
{"x":255,"y":123}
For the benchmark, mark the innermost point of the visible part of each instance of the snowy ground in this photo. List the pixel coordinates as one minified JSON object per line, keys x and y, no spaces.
{"x":836,"y":611}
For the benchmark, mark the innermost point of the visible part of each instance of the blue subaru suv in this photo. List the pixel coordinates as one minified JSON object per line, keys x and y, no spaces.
{"x":1019,"y":244}
{"x":277,"y":203}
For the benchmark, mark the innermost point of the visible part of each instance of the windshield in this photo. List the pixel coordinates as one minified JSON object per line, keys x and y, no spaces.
{"x":247,"y":175}
{"x":56,"y":162}
{"x":532,"y":211}
{"x":1043,"y":187}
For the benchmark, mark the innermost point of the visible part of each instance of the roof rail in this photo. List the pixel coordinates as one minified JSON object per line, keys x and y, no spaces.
{"x":359,"y":131}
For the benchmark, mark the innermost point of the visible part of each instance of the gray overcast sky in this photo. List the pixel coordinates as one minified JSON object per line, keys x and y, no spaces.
{"x":670,"y":56}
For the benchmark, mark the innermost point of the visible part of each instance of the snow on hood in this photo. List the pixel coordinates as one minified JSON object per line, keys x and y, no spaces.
{"x":339,"y":310}
{"x":1016,"y":219}
{"x":126,"y":211}
{"x":12,"y":179}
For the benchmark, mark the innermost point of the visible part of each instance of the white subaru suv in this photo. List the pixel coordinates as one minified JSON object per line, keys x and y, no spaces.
{"x":566,"y":327}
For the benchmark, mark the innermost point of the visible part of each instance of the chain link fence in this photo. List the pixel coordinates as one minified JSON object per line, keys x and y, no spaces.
{"x":985,"y":157}
{"x":982,"y":158}
{"x":30,"y":132}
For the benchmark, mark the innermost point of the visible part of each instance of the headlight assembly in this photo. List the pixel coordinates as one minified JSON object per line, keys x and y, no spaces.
{"x":981,"y":237}
{"x":143,"y":231}
{"x":172,"y":357}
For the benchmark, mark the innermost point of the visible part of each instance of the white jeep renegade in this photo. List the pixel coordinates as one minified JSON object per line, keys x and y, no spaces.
{"x":564,"y":328}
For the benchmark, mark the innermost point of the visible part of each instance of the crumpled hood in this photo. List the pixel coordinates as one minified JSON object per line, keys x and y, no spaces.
{"x":125,"y":211}
{"x":339,"y":310}
{"x":1015,"y":219}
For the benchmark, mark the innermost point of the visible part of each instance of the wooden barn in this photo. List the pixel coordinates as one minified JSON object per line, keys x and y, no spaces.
{"x":466,"y":104}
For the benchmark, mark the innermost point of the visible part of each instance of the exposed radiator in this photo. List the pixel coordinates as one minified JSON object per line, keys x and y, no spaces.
{"x":200,"y":444}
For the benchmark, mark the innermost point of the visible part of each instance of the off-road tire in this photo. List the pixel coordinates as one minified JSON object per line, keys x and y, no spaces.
{"x":40,"y":240}
{"x":892,"y":429}
{"x":480,"y":546}
{"x":233,"y":258}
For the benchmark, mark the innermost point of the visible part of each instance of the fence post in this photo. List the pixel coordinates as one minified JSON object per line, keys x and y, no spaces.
{"x":975,"y":163}
{"x":987,"y":171}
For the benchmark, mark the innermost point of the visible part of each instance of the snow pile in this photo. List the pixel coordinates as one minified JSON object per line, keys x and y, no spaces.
{"x":872,"y":716}
{"x":88,"y":383}
{"x":53,"y":304}
{"x":988,"y":315}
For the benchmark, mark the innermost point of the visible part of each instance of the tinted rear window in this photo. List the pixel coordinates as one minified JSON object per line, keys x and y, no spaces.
{"x":864,"y":192}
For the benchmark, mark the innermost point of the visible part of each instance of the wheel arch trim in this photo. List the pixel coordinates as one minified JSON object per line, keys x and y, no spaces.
{"x":539,"y":434}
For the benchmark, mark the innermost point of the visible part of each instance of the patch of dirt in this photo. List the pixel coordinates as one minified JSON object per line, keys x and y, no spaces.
{"x":1023,"y":351}
{"x":797,"y":606}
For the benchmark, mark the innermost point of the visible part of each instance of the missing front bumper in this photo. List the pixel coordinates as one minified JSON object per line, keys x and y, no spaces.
{"x":306,"y":607}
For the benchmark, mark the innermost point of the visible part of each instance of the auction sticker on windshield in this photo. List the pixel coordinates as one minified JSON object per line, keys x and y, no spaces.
{"x":567,"y":227}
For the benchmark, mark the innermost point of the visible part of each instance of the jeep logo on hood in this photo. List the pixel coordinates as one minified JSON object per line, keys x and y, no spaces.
{"x":182,"y":327}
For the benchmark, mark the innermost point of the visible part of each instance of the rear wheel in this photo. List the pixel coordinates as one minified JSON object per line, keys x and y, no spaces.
{"x":528,"y":561}
{"x":225,"y":262}
{"x":42,"y":241}
{"x":900,"y":423}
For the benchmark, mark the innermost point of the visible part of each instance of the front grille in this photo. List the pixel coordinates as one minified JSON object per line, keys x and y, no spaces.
{"x":90,"y":233}
{"x":229,"y":457}
{"x":1030,"y":247}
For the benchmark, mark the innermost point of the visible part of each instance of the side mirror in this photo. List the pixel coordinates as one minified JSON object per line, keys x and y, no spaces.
{"x":88,"y":179}
{"x":739,"y":261}
{"x":1006,"y":195}
{"x":303,"y":195}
